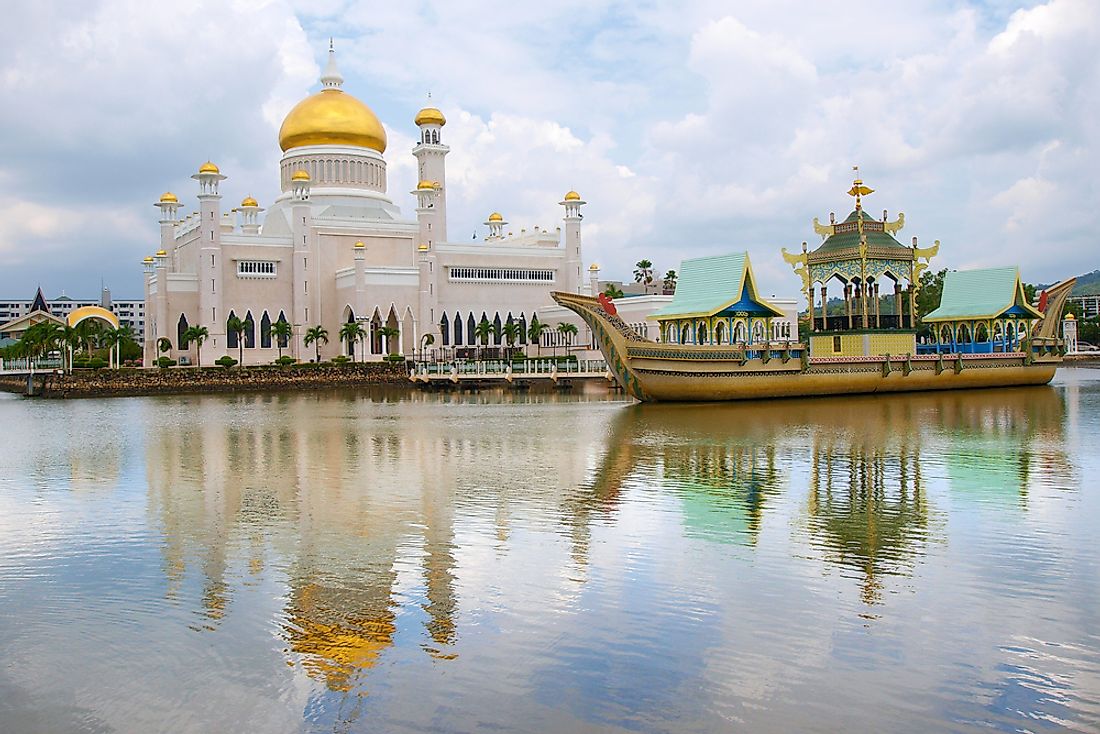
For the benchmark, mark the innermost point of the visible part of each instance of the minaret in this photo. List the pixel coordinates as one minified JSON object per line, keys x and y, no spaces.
{"x":496,"y":226}
{"x":593,"y":280}
{"x":432,"y":190}
{"x":149,"y":351}
{"x":301,"y":228}
{"x":211,"y":314}
{"x":571,"y":276}
{"x":169,"y":205}
{"x":250,"y":210}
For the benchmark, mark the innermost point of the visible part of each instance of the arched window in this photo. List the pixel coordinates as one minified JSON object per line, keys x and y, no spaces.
{"x":231,"y":337}
{"x":445,"y":330}
{"x":945,"y":334}
{"x":964,"y":334}
{"x":701,"y":333}
{"x":522,"y":329}
{"x":471,"y":326}
{"x":181,"y":329}
{"x":720,"y":332}
{"x":758,"y":333}
{"x":283,"y":341}
{"x":458,"y":329}
{"x":981,"y":334}
{"x":265,"y":331}
{"x":739,"y":335}
{"x":249,"y":331}
{"x":497,"y":326}
{"x":684,"y":328}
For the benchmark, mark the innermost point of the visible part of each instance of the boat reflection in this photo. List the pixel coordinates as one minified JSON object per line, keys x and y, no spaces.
{"x":864,"y":458}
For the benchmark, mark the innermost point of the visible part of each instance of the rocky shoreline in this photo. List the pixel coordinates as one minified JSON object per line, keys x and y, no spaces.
{"x":191,"y":380}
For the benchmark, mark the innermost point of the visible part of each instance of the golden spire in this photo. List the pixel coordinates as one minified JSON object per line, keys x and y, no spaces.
{"x":858,"y":190}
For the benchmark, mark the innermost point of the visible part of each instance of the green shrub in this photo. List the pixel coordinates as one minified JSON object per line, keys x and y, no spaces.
{"x":285,"y":360}
{"x":340,"y":360}
{"x":97,"y":363}
{"x":225,"y":361}
{"x":394,"y":358}
{"x":164,"y":362}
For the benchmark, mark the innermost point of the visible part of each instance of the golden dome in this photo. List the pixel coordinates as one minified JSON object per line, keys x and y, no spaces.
{"x":249,"y":201}
{"x":422,"y":248}
{"x":168,"y":198}
{"x":148,"y":259}
{"x":1070,"y":317}
{"x":161,"y":253}
{"x":359,"y":245}
{"x":332,"y":117}
{"x":208,"y":167}
{"x":572,"y":196}
{"x":496,"y":217}
{"x":425,"y":185}
{"x":593,"y":267}
{"x":300,"y":175}
{"x":430,"y":116}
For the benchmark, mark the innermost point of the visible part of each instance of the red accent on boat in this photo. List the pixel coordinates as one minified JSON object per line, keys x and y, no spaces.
{"x":607,"y":305}
{"x":1043,"y":302}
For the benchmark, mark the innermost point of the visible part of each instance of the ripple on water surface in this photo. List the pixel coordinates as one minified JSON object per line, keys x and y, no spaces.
{"x":386,"y":561}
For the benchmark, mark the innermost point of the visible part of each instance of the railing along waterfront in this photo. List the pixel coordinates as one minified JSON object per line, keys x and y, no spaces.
{"x":502,"y":369}
{"x":22,"y":365}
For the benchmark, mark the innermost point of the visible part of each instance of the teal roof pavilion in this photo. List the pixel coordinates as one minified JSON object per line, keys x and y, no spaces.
{"x":709,"y":286}
{"x":990,"y":293}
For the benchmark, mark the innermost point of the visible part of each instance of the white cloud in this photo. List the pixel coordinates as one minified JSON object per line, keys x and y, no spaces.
{"x":688,"y":127}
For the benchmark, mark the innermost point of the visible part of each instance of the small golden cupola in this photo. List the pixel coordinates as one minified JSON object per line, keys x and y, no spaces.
{"x":332,"y":117}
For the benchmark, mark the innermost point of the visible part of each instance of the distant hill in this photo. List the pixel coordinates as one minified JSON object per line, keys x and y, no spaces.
{"x":1086,"y":285}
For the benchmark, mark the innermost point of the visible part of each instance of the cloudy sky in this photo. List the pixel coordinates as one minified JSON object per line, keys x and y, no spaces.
{"x":690,"y":127}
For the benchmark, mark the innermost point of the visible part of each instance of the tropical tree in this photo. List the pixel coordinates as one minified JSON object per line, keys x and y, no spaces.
{"x":389,"y":333}
{"x":643,"y":273}
{"x":116,"y":337}
{"x":669,"y":282}
{"x":164,"y":344}
{"x":316,"y":335}
{"x":482,"y":331}
{"x":197,"y":334}
{"x":567,"y":331}
{"x":281,"y":330}
{"x":351,"y":332}
{"x":88,"y":333}
{"x":426,"y":341}
{"x":235,"y":326}
{"x":535,"y":330}
{"x":511,"y":332}
{"x":612,"y":292}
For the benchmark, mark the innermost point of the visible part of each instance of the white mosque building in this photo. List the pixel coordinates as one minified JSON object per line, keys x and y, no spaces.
{"x":334,"y":248}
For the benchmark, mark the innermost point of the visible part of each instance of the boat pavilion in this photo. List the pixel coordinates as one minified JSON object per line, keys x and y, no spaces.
{"x":716,"y":302}
{"x":981,"y":312}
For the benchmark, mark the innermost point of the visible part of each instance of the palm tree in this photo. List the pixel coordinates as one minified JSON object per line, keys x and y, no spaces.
{"x":535,"y":330}
{"x":351,"y":332}
{"x":669,"y":283}
{"x":567,"y":331}
{"x":316,"y":335}
{"x":389,"y":333}
{"x":235,"y":326}
{"x":88,"y":332}
{"x":281,"y":330}
{"x":426,"y":341}
{"x":482,"y":331}
{"x":164,"y":344}
{"x":511,"y":332}
{"x":643,"y":273}
{"x":197,"y":334}
{"x":612,"y":292}
{"x":117,"y":337}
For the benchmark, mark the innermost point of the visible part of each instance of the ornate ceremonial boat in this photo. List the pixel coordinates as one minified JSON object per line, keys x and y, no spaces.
{"x":718,"y":341}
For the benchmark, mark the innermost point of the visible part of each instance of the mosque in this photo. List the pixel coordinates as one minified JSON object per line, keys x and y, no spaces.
{"x":334,"y":248}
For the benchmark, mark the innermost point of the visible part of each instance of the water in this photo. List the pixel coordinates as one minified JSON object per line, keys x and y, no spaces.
{"x":404,"y":562}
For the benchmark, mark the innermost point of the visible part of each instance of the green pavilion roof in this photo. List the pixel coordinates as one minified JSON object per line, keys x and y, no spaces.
{"x":707,"y":285}
{"x":981,"y":294}
{"x":848,"y":237}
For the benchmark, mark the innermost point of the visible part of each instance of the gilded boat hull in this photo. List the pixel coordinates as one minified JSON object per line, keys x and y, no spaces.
{"x":651,"y":371}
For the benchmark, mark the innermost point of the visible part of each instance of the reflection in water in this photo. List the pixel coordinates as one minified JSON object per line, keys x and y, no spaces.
{"x":364,"y":562}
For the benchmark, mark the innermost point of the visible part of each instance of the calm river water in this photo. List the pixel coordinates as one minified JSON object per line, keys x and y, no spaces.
{"x":406,"y":562}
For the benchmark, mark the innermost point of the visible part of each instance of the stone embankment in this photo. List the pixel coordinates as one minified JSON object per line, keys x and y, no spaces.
{"x":190,"y":380}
